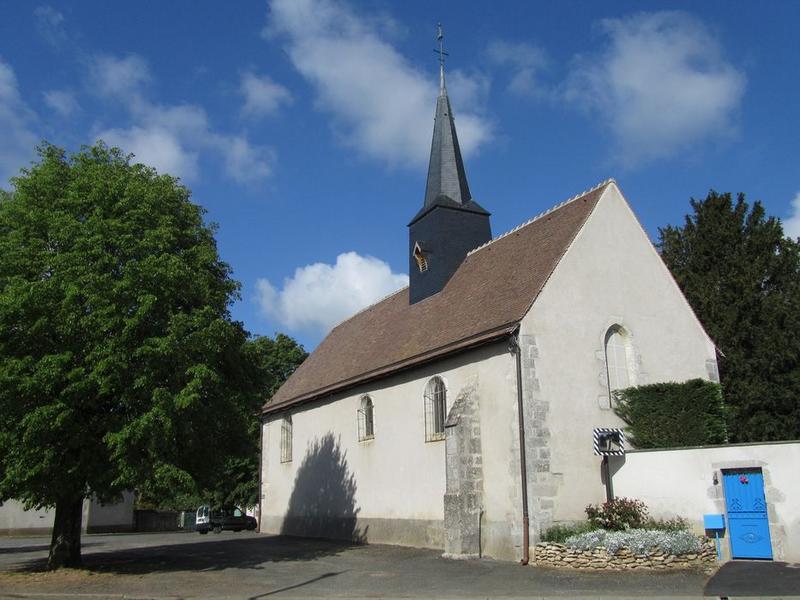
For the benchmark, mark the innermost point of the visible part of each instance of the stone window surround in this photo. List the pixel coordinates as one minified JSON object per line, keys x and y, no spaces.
{"x":636,"y":376}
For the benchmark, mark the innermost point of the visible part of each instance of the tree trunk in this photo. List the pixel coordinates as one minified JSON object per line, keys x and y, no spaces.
{"x":65,"y":546}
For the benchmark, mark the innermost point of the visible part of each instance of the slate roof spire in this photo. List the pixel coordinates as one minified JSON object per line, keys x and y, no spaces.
{"x":450,"y":223}
{"x":446,"y":175}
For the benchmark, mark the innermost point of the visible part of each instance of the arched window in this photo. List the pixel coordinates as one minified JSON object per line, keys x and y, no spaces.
{"x":366,"y":420}
{"x":286,"y":439}
{"x":617,"y":363}
{"x":435,"y":409}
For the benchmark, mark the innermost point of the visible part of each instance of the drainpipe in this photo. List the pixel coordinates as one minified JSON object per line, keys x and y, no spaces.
{"x":523,"y":467}
{"x":260,"y":468}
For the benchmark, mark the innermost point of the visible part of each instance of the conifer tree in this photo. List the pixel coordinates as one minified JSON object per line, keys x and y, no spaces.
{"x":742,"y":277}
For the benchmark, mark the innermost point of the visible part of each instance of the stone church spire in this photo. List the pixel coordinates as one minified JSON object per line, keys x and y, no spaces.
{"x":450,"y":223}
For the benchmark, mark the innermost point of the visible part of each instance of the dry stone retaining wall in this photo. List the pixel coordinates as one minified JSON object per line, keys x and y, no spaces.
{"x":558,"y":555}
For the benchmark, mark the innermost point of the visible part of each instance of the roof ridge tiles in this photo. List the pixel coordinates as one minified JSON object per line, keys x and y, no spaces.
{"x":543,"y":214}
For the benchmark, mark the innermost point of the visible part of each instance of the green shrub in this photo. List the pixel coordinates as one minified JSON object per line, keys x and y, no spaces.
{"x":672,"y":415}
{"x":673,"y":524}
{"x":558,"y":534}
{"x":619,"y":513}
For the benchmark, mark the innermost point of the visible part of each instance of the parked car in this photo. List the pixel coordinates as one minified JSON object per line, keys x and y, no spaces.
{"x":230,"y":519}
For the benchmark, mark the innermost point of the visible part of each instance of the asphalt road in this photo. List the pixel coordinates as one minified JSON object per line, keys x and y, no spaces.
{"x":755,"y":578}
{"x":254,"y":566}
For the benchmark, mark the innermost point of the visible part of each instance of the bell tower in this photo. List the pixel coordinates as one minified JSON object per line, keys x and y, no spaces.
{"x":450,"y":223}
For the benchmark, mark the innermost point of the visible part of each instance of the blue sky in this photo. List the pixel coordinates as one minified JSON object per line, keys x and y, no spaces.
{"x":303,"y":126}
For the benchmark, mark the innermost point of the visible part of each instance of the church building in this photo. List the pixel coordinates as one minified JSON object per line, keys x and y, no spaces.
{"x":458,"y":412}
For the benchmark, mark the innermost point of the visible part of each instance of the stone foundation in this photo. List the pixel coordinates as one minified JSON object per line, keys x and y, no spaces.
{"x":548,"y":554}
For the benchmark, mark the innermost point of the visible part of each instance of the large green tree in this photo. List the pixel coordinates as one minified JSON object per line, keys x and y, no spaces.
{"x":120,"y":365}
{"x":270,"y":362}
{"x":742,"y":277}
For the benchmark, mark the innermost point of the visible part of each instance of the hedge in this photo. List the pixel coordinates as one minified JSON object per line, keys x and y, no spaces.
{"x":672,"y":415}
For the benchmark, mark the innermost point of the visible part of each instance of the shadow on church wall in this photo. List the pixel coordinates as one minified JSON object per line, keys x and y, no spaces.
{"x":323,"y":502}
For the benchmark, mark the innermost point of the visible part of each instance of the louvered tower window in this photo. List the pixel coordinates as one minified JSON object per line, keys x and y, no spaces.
{"x":419,"y":256}
{"x":435,"y":409}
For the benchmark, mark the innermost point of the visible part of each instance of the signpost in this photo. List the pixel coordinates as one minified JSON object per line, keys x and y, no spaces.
{"x":608,"y":442}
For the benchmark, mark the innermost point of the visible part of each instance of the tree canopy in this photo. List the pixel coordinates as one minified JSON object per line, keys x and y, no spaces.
{"x":120,"y":364}
{"x":742,"y":277}
{"x":270,"y":362}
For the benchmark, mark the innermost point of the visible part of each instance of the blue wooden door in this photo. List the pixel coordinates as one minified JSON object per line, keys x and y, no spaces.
{"x":747,"y":514}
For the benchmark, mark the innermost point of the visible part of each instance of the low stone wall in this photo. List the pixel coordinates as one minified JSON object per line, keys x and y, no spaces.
{"x":548,"y":554}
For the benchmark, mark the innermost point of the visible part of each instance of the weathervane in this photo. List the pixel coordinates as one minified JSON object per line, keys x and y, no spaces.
{"x":442,"y":54}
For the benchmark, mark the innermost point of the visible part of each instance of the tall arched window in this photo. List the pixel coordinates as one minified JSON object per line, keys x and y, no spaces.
{"x":435,"y":409}
{"x":286,"y":439}
{"x":617,"y":360}
{"x":366,"y":420}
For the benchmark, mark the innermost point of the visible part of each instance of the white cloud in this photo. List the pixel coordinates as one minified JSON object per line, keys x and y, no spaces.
{"x":243,"y":161}
{"x":380,"y":103}
{"x":791,"y":226}
{"x":156,"y":147}
{"x":320,"y":295}
{"x":49,"y":24}
{"x":61,"y":101}
{"x":113,"y":76}
{"x":262,"y":96}
{"x":661,"y":84}
{"x":17,"y":140}
{"x":171,"y":138}
{"x":525,"y":61}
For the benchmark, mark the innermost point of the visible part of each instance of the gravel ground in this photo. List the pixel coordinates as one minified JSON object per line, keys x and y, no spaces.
{"x":255,"y":566}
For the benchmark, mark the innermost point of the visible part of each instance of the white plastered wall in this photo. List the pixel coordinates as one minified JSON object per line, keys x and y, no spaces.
{"x":610,"y":275}
{"x":97,"y":517}
{"x":680,"y":483}
{"x":14,"y":519}
{"x":400,"y":479}
{"x":113,"y":516}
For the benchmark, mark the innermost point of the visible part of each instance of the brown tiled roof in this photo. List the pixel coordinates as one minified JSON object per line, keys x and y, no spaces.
{"x":485,"y":299}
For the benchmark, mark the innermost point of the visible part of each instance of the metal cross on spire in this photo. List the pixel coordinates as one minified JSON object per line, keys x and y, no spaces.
{"x":442,"y":54}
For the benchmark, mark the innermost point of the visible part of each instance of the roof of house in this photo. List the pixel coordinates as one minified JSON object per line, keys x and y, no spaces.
{"x":485,"y":299}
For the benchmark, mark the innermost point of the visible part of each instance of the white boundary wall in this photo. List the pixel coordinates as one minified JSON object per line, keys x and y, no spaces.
{"x":680,"y":482}
{"x":97,"y":517}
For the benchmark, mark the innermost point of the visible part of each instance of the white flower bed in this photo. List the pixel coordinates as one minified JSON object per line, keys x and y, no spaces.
{"x":638,"y":541}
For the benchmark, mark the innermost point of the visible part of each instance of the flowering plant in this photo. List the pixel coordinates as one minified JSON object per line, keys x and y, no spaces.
{"x":618,"y":514}
{"x":638,"y":541}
